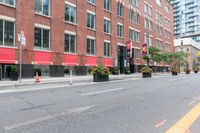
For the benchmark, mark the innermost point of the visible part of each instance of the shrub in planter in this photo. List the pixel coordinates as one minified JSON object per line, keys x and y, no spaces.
{"x":196,"y":69}
{"x":100,"y":74}
{"x":127,"y":70}
{"x":187,"y":70}
{"x":174,"y":71}
{"x":114,"y":70}
{"x":146,"y":72}
{"x":37,"y":70}
{"x":13,"y":73}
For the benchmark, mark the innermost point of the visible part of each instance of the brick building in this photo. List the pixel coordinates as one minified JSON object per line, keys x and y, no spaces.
{"x":78,"y":34}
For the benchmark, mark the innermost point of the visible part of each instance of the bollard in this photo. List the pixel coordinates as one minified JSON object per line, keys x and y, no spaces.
{"x":70,"y":77}
{"x":119,"y":75}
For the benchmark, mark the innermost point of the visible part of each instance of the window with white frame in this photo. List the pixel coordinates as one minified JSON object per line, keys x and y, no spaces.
{"x":107,"y":5}
{"x":148,"y":39}
{"x":120,"y":30}
{"x":134,"y":2}
{"x":167,"y":34}
{"x":167,"y":22}
{"x":91,"y":20}
{"x":92,"y":1}
{"x":107,"y":49}
{"x":42,"y":7}
{"x":134,"y":16}
{"x":70,"y":13}
{"x":91,"y":46}
{"x":159,"y":29}
{"x":7,"y":32}
{"x":159,"y":44}
{"x":70,"y":43}
{"x":107,"y":26}
{"x":146,"y":23}
{"x":158,"y":2}
{"x":42,"y":37}
{"x":137,"y":53}
{"x":131,"y":34}
{"x":158,"y":17}
{"x":148,"y":9}
{"x":137,"y":36}
{"x":8,"y":2}
{"x":120,"y":9}
{"x":167,"y":10}
{"x":167,"y":46}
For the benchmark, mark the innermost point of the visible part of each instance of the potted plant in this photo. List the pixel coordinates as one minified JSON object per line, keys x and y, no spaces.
{"x":174,"y":71}
{"x":146,"y":72}
{"x":196,"y":69}
{"x":100,"y":74}
{"x":13,"y":73}
{"x":37,"y":70}
{"x":114,"y":70}
{"x":127,"y":70}
{"x":187,"y":70}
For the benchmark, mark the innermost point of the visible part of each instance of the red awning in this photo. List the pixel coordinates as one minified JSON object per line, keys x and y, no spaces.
{"x":108,"y":62}
{"x":42,"y":58}
{"x":91,"y":61}
{"x":7,"y":55}
{"x":71,"y":60}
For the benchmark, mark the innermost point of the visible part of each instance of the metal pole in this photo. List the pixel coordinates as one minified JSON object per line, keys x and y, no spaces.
{"x":20,"y":65}
{"x":70,"y":77}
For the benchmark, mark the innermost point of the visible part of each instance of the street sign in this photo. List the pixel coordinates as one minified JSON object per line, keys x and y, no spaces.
{"x":21,"y":38}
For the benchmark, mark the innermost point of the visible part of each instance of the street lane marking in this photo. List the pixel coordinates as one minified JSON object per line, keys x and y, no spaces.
{"x":160,"y":124}
{"x":104,"y":91}
{"x":191,"y":103}
{"x":34,"y":121}
{"x":186,"y":122}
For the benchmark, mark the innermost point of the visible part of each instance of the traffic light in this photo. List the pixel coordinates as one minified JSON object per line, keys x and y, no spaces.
{"x":144,"y":49}
{"x":129,"y":49}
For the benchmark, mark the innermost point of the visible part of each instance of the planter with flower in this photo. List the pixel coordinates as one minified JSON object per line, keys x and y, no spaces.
{"x":146,"y":72}
{"x":100,"y":74}
{"x":196,"y":69}
{"x":187,"y":70}
{"x":174,"y":71}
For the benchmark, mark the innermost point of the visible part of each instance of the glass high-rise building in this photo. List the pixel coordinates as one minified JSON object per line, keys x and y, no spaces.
{"x":187,"y":19}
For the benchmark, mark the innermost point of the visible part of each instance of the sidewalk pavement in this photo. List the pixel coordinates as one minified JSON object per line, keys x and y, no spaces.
{"x":66,"y":79}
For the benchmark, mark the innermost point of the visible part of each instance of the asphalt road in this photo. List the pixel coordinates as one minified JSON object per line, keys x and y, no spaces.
{"x":127,"y":106}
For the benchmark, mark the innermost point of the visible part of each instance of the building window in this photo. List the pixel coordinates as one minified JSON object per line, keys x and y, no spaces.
{"x":92,"y":1}
{"x":91,"y":48}
{"x":70,"y":43}
{"x":131,"y":34}
{"x":159,"y":44}
{"x":167,"y":47}
{"x":120,"y":30}
{"x":42,"y":7}
{"x":107,"y":5}
{"x":159,"y":30}
{"x":167,"y":34}
{"x":137,"y":53}
{"x":120,"y":9}
{"x":134,"y":2}
{"x":167,"y":10}
{"x":42,"y":39}
{"x":137,"y":36}
{"x":107,"y":49}
{"x":107,"y":26}
{"x":90,"y":20}
{"x":8,"y":2}
{"x":7,"y":31}
{"x":158,"y":2}
{"x":70,"y":13}
{"x":159,"y":17}
{"x":134,"y":16}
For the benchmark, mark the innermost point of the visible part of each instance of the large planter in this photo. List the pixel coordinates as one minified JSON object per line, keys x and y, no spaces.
{"x":187,"y":72}
{"x":146,"y":75}
{"x":100,"y":78}
{"x":14,"y":76}
{"x":174,"y":73}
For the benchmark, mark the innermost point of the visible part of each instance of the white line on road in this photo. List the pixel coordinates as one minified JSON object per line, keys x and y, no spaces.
{"x":34,"y":121}
{"x":160,"y":124}
{"x":104,"y":91}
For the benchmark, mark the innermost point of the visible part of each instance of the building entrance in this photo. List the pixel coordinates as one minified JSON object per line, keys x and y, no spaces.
{"x":121,"y":51}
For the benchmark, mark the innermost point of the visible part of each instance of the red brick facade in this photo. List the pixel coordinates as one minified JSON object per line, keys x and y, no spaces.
{"x":26,"y":19}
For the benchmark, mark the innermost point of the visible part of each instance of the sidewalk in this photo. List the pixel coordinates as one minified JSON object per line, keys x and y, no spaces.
{"x":66,"y":79}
